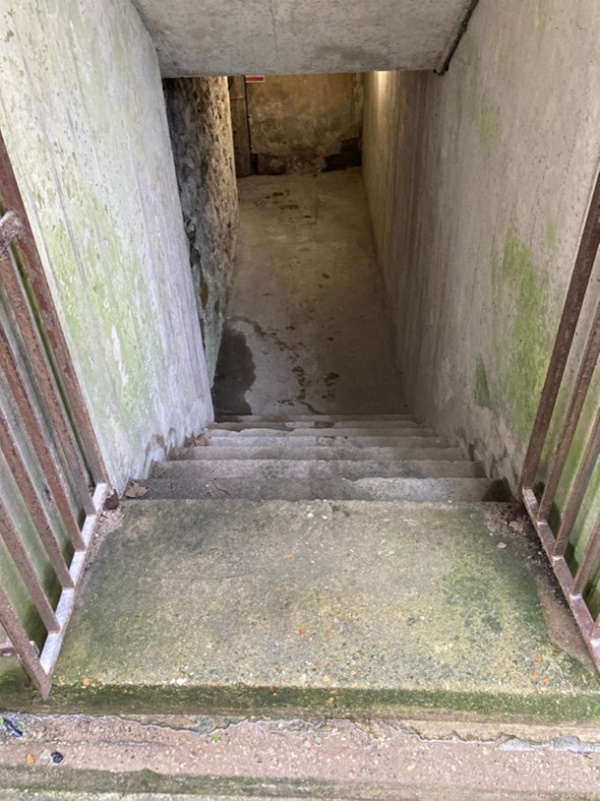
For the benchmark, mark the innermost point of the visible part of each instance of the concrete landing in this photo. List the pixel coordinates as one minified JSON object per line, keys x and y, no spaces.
{"x":339,"y":608}
{"x":307,"y":330}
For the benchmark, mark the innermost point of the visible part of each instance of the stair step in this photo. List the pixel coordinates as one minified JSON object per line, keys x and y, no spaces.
{"x":273,"y":608}
{"x":307,"y":441}
{"x":315,"y":418}
{"x":292,"y":433}
{"x":276,"y":469}
{"x":332,"y":488}
{"x":318,"y":453}
{"x":324,"y":425}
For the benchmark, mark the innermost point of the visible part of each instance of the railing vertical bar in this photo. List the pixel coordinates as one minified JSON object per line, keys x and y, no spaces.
{"x":584,"y":262}
{"x":11,"y":197}
{"x":34,"y":351}
{"x":589,"y":560}
{"x":38,"y":440}
{"x":582,"y":385}
{"x":579,"y":488}
{"x":64,"y":609}
{"x":38,"y":515}
{"x":25,"y":568}
{"x":26,"y":651}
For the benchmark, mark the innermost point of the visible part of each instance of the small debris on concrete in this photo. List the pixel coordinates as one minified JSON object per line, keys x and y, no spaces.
{"x":135,"y":490}
{"x":112,"y":502}
{"x":12,"y":728}
{"x":56,"y":757}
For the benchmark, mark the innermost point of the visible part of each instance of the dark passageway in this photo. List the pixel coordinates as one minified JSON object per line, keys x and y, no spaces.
{"x":307,"y":329}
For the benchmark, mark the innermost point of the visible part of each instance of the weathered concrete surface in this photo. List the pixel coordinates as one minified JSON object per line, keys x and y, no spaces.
{"x":315,"y":468}
{"x":83,"y":115}
{"x":318,"y":453}
{"x":307,"y":329}
{"x":374,"y":445}
{"x":233,"y":37}
{"x":478,"y":184}
{"x":290,"y":440}
{"x":339,"y":607}
{"x":190,"y":485}
{"x":192,"y":758}
{"x":316,"y":420}
{"x":231,"y":431}
{"x":305,"y":123}
{"x":200,"y":124}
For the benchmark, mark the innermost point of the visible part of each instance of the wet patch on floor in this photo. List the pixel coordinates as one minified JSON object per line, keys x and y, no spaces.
{"x":308,"y":296}
{"x":235,"y":374}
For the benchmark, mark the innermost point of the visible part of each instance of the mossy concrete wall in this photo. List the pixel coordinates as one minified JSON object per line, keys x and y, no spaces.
{"x":83,"y":115}
{"x":478,"y":183}
{"x":305,"y":123}
{"x":200,"y":124}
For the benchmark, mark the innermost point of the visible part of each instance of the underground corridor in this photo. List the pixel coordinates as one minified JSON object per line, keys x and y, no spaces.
{"x":305,"y":326}
{"x":307,"y":331}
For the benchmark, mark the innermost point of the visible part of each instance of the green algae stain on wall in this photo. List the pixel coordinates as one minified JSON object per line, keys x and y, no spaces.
{"x":85,"y":124}
{"x":522,"y":341}
{"x":488,"y":123}
{"x":474,"y":96}
{"x":483,"y":397}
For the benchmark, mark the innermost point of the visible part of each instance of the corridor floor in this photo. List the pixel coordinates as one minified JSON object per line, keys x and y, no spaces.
{"x":307,"y":330}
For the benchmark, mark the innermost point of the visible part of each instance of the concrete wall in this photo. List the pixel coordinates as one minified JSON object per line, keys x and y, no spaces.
{"x":200,"y":124}
{"x":478,"y":184}
{"x":82,"y":111}
{"x":250,"y":37}
{"x":297,"y":121}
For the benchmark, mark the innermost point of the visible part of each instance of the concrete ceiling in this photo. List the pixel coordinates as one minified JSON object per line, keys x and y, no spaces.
{"x":228,"y":37}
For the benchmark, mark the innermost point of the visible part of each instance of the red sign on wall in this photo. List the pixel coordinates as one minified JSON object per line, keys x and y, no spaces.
{"x":254,"y":78}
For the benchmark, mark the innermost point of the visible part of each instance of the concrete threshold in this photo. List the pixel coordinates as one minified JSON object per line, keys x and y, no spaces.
{"x":345,"y":608}
{"x":162,"y":758}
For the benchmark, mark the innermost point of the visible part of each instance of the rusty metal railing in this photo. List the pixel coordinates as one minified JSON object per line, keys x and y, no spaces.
{"x":574,"y":582}
{"x":53,"y":473}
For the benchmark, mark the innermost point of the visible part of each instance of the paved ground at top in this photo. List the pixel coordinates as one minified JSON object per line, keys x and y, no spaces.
{"x":192,"y":758}
{"x":307,"y":329}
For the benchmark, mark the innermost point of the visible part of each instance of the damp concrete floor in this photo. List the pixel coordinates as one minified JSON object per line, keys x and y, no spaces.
{"x":307,"y":328}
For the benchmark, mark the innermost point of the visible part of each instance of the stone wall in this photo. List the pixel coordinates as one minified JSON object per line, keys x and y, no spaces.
{"x":200,"y":124}
{"x":478,"y":183}
{"x":305,"y":123}
{"x":83,"y":115}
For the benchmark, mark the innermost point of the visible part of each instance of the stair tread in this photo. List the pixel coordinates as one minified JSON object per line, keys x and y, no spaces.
{"x":324,"y":425}
{"x":308,"y":441}
{"x":331,"y":488}
{"x":317,"y":453}
{"x":290,"y":468}
{"x":311,"y":418}
{"x":332,"y":433}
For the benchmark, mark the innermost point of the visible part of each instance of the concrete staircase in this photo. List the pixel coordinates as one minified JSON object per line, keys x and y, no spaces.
{"x":387,"y":457}
{"x":288,"y":598}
